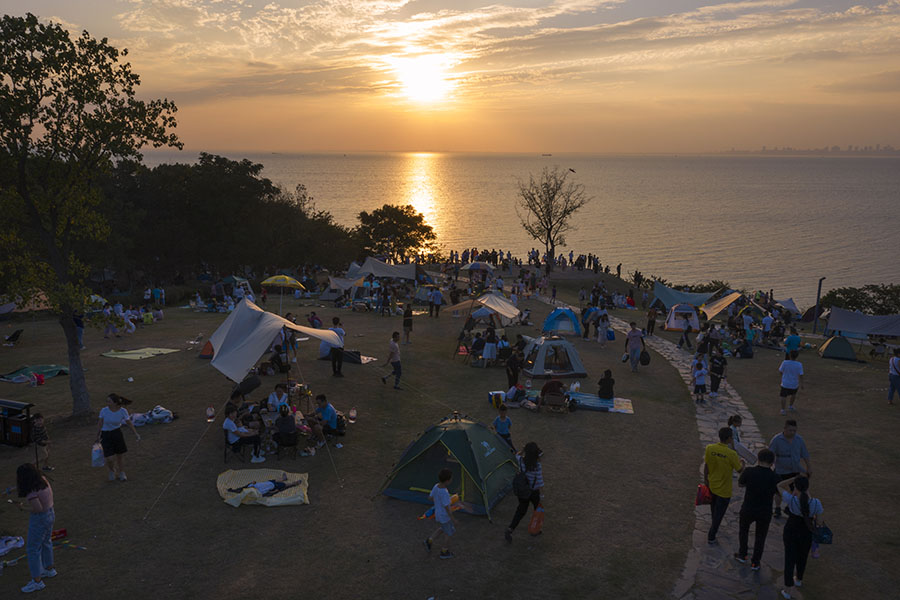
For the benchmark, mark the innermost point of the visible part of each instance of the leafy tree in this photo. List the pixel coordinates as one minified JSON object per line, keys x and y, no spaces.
{"x":547,"y":204}
{"x":395,"y":232}
{"x":873,"y":299}
{"x":67,"y":112}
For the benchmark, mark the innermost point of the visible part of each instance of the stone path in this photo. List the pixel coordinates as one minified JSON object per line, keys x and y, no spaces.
{"x":710,"y":572}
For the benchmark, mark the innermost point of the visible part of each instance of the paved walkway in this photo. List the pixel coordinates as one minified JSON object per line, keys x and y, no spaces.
{"x":710,"y":572}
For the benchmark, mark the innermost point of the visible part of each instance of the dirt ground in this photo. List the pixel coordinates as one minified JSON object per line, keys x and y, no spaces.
{"x":619,"y":488}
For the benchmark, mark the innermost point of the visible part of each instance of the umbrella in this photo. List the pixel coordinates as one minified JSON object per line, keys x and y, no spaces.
{"x":477,"y":266}
{"x":282,"y":281}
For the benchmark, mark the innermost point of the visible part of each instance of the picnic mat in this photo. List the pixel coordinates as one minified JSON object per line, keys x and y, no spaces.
{"x":23,"y":375}
{"x":234,"y":479}
{"x":592,"y":402}
{"x":139,"y":353}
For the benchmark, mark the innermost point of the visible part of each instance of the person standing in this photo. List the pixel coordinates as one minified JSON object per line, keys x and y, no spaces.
{"x":651,"y":321}
{"x":78,"y":320}
{"x":442,"y":512}
{"x":802,"y":511}
{"x":719,"y":463}
{"x":685,"y":339}
{"x":110,"y":437}
{"x":791,"y":379}
{"x":337,"y":352}
{"x":35,"y":488}
{"x":894,"y":375}
{"x":698,"y":379}
{"x":718,"y":365}
{"x":634,"y":344}
{"x":760,"y":486}
{"x":394,"y":360}
{"x":407,"y":322}
{"x":792,"y":343}
{"x":790,"y":450}
{"x":513,"y":365}
{"x":530,"y":464}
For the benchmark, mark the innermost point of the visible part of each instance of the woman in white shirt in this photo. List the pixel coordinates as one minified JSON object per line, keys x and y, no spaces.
{"x":802,"y":511}
{"x":109,"y":434}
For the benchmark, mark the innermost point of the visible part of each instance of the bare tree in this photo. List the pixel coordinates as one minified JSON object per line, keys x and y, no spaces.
{"x":545,"y":207}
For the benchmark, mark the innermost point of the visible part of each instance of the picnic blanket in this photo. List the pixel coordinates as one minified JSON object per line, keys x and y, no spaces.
{"x":24,"y":374}
{"x":353,"y":357}
{"x":232,"y":479}
{"x":592,"y":402}
{"x":139,"y":353}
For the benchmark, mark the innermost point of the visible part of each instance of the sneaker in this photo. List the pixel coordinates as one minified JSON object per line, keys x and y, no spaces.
{"x":257,"y":459}
{"x":508,"y":536}
{"x":712,"y":542}
{"x":798,"y":583}
{"x":446,"y":554}
{"x":785,"y":594}
{"x":122,"y":476}
{"x":33,"y":586}
{"x":319,"y":444}
{"x":49,"y":468}
{"x":782,"y":412}
{"x":791,"y":408}
{"x":339,"y":445}
{"x":112,"y":476}
{"x":304,"y":453}
{"x":754,"y":566}
{"x":428,"y":544}
{"x":739,"y":558}
{"x":51,"y":572}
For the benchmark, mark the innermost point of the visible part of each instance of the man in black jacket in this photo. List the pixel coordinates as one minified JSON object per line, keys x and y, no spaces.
{"x":760,"y":483}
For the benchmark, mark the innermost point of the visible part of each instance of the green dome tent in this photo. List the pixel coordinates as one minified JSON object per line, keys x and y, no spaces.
{"x":483,"y":465}
{"x":837,"y":347}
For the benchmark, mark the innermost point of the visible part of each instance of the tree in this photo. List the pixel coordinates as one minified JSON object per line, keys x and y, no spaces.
{"x":876,"y":299}
{"x":68,"y":112}
{"x":547,"y":205}
{"x":395,"y":232}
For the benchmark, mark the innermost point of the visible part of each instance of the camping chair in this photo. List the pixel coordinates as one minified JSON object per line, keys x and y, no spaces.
{"x":293,"y":446}
{"x":240,"y":451}
{"x":555,"y":403}
{"x":12,"y":338}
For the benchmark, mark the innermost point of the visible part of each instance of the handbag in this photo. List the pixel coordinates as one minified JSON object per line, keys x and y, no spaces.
{"x":821,"y":534}
{"x":537,"y":521}
{"x":645,"y":358}
{"x":97,"y":459}
{"x":704,"y":496}
{"x":610,"y":335}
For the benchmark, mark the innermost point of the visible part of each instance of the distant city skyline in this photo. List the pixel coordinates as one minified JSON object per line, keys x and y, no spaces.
{"x":600,"y":76}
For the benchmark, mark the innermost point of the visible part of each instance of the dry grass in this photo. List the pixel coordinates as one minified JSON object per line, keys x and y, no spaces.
{"x":618,"y":493}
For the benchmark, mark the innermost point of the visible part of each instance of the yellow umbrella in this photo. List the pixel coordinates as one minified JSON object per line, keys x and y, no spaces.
{"x":282,"y":281}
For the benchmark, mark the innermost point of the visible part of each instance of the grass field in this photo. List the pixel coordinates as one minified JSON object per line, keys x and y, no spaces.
{"x":618,"y":487}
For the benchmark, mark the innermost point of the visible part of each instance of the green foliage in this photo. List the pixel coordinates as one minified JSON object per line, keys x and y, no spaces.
{"x":395,"y":232}
{"x":875,"y":299}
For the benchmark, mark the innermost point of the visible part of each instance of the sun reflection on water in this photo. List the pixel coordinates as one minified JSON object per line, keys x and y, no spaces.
{"x":420,"y":186}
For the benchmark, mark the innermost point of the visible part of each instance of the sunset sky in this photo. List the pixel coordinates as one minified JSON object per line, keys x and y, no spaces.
{"x":509,"y":75}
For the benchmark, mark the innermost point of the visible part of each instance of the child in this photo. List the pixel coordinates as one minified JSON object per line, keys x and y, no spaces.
{"x":441,"y":498}
{"x":699,"y":379}
{"x":605,"y":390}
{"x":501,"y":425}
{"x":41,"y":440}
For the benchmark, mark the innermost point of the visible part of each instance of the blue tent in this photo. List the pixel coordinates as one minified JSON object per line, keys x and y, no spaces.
{"x":670,"y":297}
{"x":562,"y":320}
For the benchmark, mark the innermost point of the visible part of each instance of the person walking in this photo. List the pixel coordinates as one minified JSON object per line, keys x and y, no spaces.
{"x":791,"y":371}
{"x":443,"y":514}
{"x":337,"y":352}
{"x":790,"y":451}
{"x":719,"y":463}
{"x":651,"y":321}
{"x":760,"y":485}
{"x":35,"y":488}
{"x":530,"y":465}
{"x":109,"y":434}
{"x":513,"y":366}
{"x":438,"y":301}
{"x":634,"y":344}
{"x":894,"y":375}
{"x":717,"y":368}
{"x":685,"y":339}
{"x":407,"y":322}
{"x":802,"y":511}
{"x":394,"y":360}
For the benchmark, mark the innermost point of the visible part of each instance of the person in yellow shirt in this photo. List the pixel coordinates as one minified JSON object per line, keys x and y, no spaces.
{"x":719,"y":463}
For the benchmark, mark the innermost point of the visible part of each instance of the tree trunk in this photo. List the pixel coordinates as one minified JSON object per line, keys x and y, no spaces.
{"x":81,"y":400}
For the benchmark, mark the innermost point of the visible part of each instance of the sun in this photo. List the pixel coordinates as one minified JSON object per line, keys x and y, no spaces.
{"x":423,"y":78}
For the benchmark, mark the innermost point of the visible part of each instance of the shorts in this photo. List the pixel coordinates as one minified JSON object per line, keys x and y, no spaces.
{"x":113,"y":442}
{"x":448,"y":528}
{"x":785,"y":392}
{"x":700,"y":389}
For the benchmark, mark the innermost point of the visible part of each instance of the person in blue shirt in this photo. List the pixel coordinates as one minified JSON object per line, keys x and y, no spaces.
{"x":792,"y":342}
{"x":501,"y":425}
{"x":325,"y":420}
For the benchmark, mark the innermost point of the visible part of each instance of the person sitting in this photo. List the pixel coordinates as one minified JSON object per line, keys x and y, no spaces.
{"x":325,"y":420}
{"x":286,"y":427}
{"x":278,"y":398}
{"x":314,"y":321}
{"x":280,"y":360}
{"x":743,"y":348}
{"x":477,"y":345}
{"x":554,"y":386}
{"x":606,"y":383}
{"x":240,"y":435}
{"x":269,"y":487}
{"x":520,"y":343}
{"x":879,"y":348}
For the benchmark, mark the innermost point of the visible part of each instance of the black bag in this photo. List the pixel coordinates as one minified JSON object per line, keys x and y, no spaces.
{"x":521,"y":486}
{"x":341,"y":425}
{"x":645,"y":358}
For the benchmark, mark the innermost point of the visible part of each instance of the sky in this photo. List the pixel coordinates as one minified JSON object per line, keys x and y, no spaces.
{"x":508,"y":75}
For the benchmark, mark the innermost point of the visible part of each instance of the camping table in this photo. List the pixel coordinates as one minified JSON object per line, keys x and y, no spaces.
{"x":15,"y":423}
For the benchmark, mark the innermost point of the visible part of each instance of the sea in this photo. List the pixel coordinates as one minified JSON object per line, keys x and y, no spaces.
{"x":754,"y":221}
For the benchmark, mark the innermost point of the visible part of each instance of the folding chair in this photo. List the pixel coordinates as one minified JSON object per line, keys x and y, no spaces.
{"x":555,"y":403}
{"x":240,"y":451}
{"x":12,"y":338}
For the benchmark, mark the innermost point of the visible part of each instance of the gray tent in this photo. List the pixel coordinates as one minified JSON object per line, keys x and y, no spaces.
{"x":837,"y":347}
{"x":552,"y":357}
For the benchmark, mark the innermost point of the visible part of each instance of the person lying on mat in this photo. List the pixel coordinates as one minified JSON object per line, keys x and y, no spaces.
{"x":267,"y":488}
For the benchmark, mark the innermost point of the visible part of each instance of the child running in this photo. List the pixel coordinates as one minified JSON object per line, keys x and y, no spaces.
{"x":441,"y":498}
{"x":698,"y":377}
{"x":501,"y":425}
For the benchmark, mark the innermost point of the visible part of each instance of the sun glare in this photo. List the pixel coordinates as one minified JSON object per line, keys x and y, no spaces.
{"x":423,"y":78}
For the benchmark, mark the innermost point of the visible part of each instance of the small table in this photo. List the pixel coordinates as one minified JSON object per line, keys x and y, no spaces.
{"x":15,"y":423}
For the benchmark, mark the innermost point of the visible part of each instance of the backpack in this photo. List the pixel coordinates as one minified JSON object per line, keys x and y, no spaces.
{"x":521,"y":486}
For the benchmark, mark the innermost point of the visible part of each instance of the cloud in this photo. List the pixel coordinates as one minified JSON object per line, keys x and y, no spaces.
{"x":886,"y":82}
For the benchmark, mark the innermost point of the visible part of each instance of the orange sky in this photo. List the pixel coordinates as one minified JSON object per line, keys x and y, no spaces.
{"x":510,"y":75}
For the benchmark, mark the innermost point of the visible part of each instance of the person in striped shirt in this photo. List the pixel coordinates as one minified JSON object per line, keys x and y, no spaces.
{"x":530,"y":464}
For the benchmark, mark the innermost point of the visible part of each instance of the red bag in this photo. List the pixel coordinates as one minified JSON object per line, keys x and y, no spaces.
{"x":704,"y":496}
{"x":537,"y":521}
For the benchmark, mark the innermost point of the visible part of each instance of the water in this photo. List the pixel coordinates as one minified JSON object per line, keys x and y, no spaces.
{"x":758,"y":222}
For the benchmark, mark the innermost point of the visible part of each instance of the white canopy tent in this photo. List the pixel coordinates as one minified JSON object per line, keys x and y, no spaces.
{"x":247,"y":333}
{"x":493,"y":302}
{"x":675,"y":319}
{"x":714,"y":308}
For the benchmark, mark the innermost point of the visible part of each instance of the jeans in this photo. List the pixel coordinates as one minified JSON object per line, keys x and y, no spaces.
{"x":718,"y":507}
{"x":685,"y":340}
{"x":894,"y":387}
{"x":39,"y":547}
{"x":337,"y":360}
{"x":635,"y":355}
{"x":396,"y":372}
{"x":522,"y":508}
{"x":715,"y":381}
{"x":797,"y":541}
{"x":79,"y":334}
{"x":762,"y":518}
{"x":651,"y":326}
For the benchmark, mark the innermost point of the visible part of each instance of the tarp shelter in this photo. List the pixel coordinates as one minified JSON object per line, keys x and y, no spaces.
{"x":788,"y":305}
{"x":492,"y":302}
{"x":482,"y":464}
{"x":676,"y":316}
{"x":670,"y":297}
{"x":338,"y":286}
{"x":562,"y":320}
{"x":247,"y":333}
{"x":552,"y":357}
{"x":717,"y":306}
{"x":847,"y":321}
{"x":477,"y":266}
{"x":837,"y":347}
